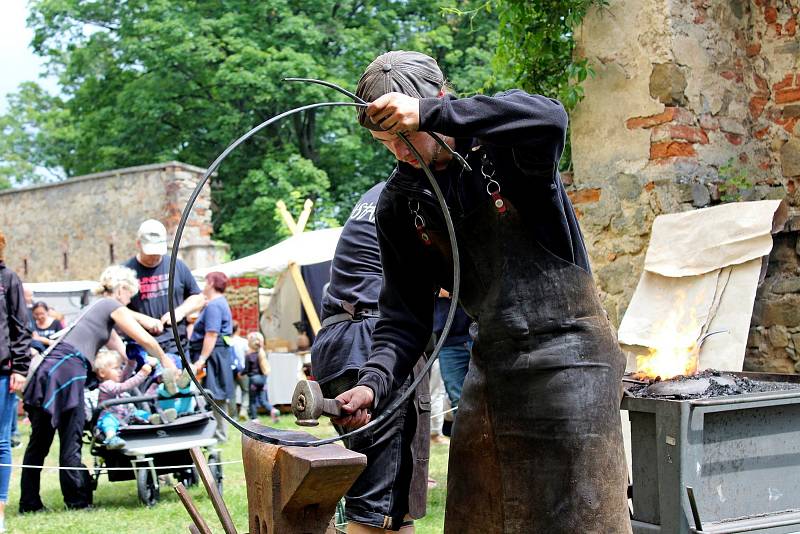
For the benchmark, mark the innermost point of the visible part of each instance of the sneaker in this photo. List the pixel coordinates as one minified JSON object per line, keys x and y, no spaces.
{"x":170,"y":414}
{"x":169,"y":380}
{"x":114,"y":443}
{"x":184,"y":380}
{"x":275,"y":415}
{"x":438,"y":439}
{"x":154,"y":419}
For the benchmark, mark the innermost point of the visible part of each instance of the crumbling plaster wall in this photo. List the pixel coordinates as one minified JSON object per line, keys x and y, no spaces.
{"x":694,"y":102}
{"x":72,"y":230}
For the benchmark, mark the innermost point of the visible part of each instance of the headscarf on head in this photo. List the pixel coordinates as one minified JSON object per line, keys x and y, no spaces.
{"x":411,"y":73}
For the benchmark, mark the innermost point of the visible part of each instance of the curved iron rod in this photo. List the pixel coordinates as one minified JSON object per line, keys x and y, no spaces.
{"x":392,"y":410}
{"x":458,"y":157}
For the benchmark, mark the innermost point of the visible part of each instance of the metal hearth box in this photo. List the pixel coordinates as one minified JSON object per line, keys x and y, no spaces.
{"x":722,"y":464}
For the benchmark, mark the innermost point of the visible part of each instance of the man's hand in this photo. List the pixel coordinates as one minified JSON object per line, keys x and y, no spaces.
{"x":395,"y":112}
{"x":179,"y":315}
{"x":16,"y":382}
{"x":154,"y":326}
{"x":356,"y":403}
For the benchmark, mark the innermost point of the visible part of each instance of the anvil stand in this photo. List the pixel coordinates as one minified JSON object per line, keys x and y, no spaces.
{"x":290,"y":490}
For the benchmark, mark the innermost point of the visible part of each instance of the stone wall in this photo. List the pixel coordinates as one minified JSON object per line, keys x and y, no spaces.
{"x":694,"y":102}
{"x":72,"y":230}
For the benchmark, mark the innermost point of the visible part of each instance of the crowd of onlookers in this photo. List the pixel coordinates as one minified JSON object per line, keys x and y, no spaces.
{"x":120,"y":343}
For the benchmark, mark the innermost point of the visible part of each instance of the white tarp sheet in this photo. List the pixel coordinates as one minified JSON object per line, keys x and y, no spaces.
{"x":700,"y":276}
{"x":306,"y":248}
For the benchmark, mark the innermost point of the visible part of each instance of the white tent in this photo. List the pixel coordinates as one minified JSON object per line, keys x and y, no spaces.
{"x":306,"y":248}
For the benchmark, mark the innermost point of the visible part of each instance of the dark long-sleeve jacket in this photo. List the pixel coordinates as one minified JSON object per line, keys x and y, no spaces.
{"x":523,"y":135}
{"x":15,"y":338}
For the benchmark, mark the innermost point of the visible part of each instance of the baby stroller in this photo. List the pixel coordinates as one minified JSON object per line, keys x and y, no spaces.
{"x":158,"y":449}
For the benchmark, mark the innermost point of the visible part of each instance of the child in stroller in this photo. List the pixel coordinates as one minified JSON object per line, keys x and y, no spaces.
{"x":108,"y":367}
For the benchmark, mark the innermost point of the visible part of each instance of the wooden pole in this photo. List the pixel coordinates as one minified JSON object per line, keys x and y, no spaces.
{"x":287,"y":217}
{"x":305,"y":297}
{"x":213,"y":492}
{"x":304,"y":215}
{"x":200,"y":524}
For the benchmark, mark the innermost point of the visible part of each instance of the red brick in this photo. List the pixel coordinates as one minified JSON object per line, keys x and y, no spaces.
{"x":765,"y":165}
{"x":728,"y":74}
{"x":761,"y":134}
{"x":649,"y":186}
{"x":770,"y":14}
{"x":790,"y":124}
{"x":761,"y":83}
{"x":787,"y":95}
{"x":757,"y":105}
{"x":652,"y":120}
{"x":753,"y":49}
{"x":584,"y":196}
{"x":671,"y":149}
{"x":666,"y":132}
{"x":709,"y":122}
{"x":784,"y":83}
{"x":734,"y":139}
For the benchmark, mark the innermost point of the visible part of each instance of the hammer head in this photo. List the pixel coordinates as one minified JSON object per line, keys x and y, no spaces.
{"x":307,"y":403}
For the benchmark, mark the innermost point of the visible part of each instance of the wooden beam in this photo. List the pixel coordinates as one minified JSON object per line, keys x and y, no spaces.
{"x":287,"y":217}
{"x":305,"y":297}
{"x":304,"y":215}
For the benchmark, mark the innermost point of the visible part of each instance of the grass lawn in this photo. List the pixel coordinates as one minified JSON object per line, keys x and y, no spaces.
{"x":117,"y":509}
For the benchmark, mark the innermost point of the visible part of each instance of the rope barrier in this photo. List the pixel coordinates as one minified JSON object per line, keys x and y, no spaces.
{"x":86,"y":468}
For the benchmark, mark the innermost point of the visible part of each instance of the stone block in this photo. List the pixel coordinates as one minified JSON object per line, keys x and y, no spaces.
{"x":700,"y":196}
{"x":784,"y":310}
{"x":790,"y":157}
{"x":786,"y":285}
{"x":614,"y":277}
{"x":778,"y":336}
{"x":627,"y":187}
{"x":667,"y":84}
{"x":791,"y":111}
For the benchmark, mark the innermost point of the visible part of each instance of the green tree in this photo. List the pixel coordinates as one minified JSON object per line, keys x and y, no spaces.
{"x":154,"y":80}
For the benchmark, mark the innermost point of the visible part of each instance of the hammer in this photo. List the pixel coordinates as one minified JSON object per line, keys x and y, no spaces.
{"x":308,"y":404}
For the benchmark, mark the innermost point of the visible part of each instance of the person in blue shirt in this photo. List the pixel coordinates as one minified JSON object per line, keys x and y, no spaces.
{"x":208,"y":349}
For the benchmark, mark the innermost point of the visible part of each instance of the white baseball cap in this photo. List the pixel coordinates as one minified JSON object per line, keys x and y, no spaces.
{"x":153,"y":237}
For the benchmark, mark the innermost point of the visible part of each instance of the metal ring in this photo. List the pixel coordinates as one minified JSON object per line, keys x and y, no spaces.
{"x":392,"y":410}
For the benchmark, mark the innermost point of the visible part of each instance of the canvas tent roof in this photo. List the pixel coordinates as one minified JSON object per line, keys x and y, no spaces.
{"x":306,"y":248}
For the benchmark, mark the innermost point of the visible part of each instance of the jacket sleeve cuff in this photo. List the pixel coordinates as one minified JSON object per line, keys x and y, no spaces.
{"x":373,"y":381}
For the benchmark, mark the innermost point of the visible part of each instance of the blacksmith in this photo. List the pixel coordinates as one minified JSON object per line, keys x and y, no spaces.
{"x":538,"y":444}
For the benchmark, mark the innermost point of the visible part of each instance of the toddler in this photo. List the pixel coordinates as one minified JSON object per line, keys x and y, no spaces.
{"x":108,"y":367}
{"x":256,"y":368}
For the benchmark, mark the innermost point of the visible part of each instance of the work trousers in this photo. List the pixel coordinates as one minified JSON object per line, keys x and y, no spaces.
{"x":75,"y":485}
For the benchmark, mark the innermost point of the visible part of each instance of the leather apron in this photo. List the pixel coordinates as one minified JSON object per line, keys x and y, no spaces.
{"x":538,"y":446}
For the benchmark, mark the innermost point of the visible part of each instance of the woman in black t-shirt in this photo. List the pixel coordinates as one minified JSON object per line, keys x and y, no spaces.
{"x":44,"y":325}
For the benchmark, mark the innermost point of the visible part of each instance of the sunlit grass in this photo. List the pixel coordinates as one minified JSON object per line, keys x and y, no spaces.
{"x":118,"y":511}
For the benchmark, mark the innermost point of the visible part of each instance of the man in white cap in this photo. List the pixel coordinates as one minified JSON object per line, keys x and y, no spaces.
{"x":151,"y":264}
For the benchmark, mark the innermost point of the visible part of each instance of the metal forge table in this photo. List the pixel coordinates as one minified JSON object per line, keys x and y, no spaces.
{"x":739,"y":455}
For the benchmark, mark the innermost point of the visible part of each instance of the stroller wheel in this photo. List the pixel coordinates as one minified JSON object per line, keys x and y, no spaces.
{"x":147,"y":487}
{"x":216,"y":470}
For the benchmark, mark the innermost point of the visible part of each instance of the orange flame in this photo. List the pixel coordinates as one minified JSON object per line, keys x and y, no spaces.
{"x":675,"y":350}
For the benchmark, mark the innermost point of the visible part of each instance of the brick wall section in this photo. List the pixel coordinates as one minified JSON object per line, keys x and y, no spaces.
{"x":696,"y":103}
{"x":84,"y":217}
